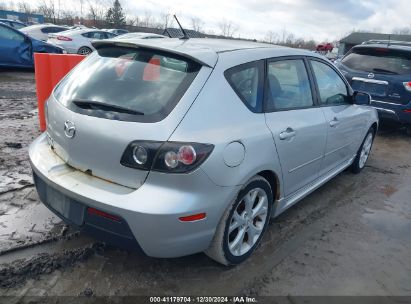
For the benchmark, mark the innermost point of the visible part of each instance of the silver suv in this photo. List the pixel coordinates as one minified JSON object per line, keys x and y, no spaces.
{"x":177,"y":147}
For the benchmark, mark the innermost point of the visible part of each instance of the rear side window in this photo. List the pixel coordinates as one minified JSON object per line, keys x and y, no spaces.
{"x":379,"y":60}
{"x":288,"y":85}
{"x":144,"y":81}
{"x":246,"y":81}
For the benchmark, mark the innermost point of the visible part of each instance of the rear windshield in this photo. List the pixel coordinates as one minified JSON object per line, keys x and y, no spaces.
{"x":379,"y":60}
{"x":144,"y":84}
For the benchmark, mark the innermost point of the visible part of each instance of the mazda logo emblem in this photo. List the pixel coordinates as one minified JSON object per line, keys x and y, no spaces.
{"x":69,"y":129}
{"x":371,"y":75}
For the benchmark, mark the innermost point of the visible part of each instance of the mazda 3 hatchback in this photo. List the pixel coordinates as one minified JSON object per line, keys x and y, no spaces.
{"x":182,"y":146}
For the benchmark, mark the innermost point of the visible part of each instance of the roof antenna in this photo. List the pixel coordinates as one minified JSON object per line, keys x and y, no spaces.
{"x":185,"y":36}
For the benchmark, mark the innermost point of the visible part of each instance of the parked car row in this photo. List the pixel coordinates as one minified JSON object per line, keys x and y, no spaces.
{"x":17,"y":48}
{"x":19,"y":42}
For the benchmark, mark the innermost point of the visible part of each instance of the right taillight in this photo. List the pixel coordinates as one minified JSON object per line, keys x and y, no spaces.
{"x":63,"y":38}
{"x":172,"y":157}
{"x":407,"y":85}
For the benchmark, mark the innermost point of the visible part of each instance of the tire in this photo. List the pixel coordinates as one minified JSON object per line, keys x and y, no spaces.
{"x":222,"y":248}
{"x":363,"y":152}
{"x":84,"y":50}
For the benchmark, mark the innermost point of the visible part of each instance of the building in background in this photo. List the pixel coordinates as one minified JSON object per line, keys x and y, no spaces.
{"x":22,"y":17}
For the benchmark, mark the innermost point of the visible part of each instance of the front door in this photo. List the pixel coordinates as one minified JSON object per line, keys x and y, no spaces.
{"x":344,"y":119}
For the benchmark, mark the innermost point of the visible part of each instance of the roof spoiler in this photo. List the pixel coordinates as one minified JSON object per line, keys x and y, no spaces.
{"x":200,"y":56}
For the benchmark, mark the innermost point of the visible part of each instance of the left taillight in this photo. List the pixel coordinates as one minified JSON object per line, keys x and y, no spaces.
{"x":63,"y":38}
{"x":169,"y":157}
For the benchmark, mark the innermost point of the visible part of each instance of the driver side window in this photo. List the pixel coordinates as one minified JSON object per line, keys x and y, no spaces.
{"x":9,"y":34}
{"x":332,"y":88}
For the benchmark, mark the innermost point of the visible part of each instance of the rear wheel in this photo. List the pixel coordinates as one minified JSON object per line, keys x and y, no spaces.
{"x":84,"y":50}
{"x":243,"y":224}
{"x":364,"y":152}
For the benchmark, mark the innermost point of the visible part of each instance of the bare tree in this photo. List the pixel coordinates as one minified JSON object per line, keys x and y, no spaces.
{"x":166,"y":20}
{"x":227,"y":28}
{"x":271,"y":37}
{"x":25,"y":8}
{"x":148,"y":19}
{"x":48,"y":10}
{"x":197,"y":24}
{"x":97,"y":13}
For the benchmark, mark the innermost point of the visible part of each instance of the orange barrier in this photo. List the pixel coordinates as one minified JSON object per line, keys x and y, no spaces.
{"x":49,"y":69}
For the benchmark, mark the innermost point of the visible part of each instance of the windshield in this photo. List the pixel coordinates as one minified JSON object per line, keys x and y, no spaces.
{"x":149,"y":83}
{"x":379,"y":60}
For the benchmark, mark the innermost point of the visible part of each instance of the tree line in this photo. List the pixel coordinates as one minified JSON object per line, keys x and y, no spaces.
{"x":110,"y":14}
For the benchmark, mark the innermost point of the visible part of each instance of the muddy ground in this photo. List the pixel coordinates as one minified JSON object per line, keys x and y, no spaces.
{"x":350,"y":237}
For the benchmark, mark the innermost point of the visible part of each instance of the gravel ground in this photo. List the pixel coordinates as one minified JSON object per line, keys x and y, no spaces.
{"x":351,"y":237}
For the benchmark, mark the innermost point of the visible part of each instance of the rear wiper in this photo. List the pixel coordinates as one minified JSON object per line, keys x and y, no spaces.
{"x":385,"y":71}
{"x":95,"y":105}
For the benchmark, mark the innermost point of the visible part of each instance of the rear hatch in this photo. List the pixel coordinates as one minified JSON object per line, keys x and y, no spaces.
{"x":115,"y":96}
{"x":380,"y":71}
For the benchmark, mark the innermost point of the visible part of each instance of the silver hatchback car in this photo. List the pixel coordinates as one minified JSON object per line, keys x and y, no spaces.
{"x":183,"y":146}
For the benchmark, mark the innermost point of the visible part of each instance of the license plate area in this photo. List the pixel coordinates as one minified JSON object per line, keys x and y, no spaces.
{"x":66,"y":207}
{"x":370,"y":88}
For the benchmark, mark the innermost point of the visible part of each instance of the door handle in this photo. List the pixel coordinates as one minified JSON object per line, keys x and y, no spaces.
{"x":287,"y":134}
{"x":335,"y":122}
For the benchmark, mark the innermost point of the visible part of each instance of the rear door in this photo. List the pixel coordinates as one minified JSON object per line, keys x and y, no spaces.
{"x":344,"y":120}
{"x":298,"y":126}
{"x":15,"y":49}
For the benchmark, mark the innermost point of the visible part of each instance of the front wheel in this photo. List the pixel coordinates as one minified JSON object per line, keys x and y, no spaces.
{"x":364,"y":152}
{"x":243,"y":225}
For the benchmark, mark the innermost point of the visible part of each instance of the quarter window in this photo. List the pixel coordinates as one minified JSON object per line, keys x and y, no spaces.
{"x":332,"y":88}
{"x":245,"y":80}
{"x":288,"y":85}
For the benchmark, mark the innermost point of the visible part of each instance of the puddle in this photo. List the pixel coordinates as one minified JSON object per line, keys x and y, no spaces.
{"x":394,"y":220}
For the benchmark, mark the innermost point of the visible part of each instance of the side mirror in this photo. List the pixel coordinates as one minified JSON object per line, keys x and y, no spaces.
{"x":361,"y":98}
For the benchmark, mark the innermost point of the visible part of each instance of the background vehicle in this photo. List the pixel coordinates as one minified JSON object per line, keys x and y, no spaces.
{"x":15,"y":24}
{"x":326,"y":47}
{"x":170,"y":147}
{"x":117,"y":31}
{"x":42,"y":31}
{"x":17,"y":49}
{"x":141,"y":35}
{"x":382,"y":69}
{"x":78,"y":41}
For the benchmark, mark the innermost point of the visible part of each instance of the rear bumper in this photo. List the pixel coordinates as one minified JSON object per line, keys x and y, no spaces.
{"x":150,"y":214}
{"x":392,"y":112}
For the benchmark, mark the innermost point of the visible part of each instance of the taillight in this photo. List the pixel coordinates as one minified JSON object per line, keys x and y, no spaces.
{"x":407,"y":111}
{"x":63,"y":38}
{"x":407,"y":86}
{"x":173,"y":157}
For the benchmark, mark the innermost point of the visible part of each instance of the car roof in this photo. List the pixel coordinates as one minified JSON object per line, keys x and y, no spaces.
{"x":8,"y":20}
{"x":383,"y":46}
{"x":202,"y":50}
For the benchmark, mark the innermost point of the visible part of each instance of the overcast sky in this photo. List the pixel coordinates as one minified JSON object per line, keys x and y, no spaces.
{"x":318,"y":19}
